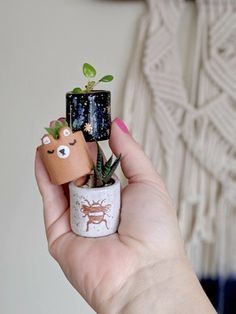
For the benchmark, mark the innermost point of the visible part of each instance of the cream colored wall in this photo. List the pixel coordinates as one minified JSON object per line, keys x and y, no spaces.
{"x":43,"y":45}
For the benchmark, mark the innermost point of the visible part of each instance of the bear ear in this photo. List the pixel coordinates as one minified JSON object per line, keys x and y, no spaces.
{"x":47,"y":139}
{"x":64,"y":132}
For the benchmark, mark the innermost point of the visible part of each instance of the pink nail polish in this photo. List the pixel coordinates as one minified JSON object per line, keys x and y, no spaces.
{"x":121,"y":125}
{"x":62,"y":119}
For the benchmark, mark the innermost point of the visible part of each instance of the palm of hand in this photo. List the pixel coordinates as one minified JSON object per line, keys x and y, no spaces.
{"x":148,"y":231}
{"x":98,"y":268}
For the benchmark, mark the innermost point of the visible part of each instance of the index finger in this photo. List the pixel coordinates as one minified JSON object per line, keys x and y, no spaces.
{"x":54,"y":200}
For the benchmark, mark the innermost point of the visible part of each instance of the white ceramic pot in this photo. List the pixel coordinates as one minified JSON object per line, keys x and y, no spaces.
{"x":95,"y":212}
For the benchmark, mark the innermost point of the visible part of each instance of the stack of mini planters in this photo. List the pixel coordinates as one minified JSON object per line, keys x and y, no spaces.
{"x":94,"y":191}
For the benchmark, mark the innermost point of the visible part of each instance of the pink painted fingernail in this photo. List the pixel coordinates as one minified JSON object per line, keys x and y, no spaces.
{"x":62,"y":119}
{"x":121,"y":125}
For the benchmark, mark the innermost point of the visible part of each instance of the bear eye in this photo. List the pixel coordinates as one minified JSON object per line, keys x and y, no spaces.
{"x":46,"y":140}
{"x":50,"y":151}
{"x":66,"y":132}
{"x":73,"y":143}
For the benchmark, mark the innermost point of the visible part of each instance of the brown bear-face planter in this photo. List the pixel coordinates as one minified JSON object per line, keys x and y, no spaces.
{"x":66,"y":158}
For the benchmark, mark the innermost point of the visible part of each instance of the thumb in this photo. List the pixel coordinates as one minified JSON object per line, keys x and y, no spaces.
{"x":135,"y":164}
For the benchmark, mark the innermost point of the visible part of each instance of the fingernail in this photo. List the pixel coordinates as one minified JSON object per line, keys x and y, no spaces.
{"x":121,"y":125}
{"x":62,"y":119}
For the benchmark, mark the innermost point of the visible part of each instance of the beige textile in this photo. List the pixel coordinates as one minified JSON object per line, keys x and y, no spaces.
{"x":189,"y":132}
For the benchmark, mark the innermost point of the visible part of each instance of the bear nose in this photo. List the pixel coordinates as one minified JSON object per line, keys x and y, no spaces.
{"x":63,"y":151}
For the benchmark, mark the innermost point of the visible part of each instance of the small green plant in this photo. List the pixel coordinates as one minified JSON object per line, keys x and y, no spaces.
{"x":103,"y":171}
{"x":55,"y":127}
{"x":90,"y":73}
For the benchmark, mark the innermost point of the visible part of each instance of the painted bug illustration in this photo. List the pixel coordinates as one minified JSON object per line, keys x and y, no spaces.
{"x":95,"y":212}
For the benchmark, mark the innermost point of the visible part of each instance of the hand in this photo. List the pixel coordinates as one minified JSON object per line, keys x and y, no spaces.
{"x":142,"y":263}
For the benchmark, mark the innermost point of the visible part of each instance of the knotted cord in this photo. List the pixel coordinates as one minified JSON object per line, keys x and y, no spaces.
{"x":190,"y":134}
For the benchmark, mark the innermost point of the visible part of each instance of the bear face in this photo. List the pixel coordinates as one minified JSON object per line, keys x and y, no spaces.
{"x":66,"y":158}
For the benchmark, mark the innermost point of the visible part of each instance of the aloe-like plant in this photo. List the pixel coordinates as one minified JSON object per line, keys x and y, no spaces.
{"x":55,"y":127}
{"x":90,"y":73}
{"x":104,"y":170}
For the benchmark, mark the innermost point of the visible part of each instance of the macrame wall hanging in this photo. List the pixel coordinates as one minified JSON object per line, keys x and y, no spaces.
{"x":190,"y":134}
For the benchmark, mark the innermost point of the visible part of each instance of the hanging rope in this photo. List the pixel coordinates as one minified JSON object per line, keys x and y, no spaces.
{"x":194,"y":130}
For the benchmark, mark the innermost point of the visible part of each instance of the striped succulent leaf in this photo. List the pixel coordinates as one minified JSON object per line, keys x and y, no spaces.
{"x":103,"y":171}
{"x":111,"y":170}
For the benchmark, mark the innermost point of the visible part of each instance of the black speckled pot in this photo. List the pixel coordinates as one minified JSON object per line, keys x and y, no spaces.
{"x":90,"y":113}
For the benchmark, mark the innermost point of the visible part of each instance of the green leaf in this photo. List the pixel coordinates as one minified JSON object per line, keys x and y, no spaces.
{"x":99,"y":164}
{"x":112,"y":170}
{"x":89,"y":70}
{"x":107,"y":78}
{"x":98,"y":178}
{"x":90,"y":86}
{"x":107,"y":166}
{"x":65,"y":124}
{"x":77,"y":90}
{"x":58,"y":124}
{"x":52,"y":132}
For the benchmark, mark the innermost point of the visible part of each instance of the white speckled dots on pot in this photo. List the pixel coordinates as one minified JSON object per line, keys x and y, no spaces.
{"x":95,"y":212}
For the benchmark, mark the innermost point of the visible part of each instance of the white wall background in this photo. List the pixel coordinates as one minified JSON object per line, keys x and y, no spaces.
{"x":43,"y":44}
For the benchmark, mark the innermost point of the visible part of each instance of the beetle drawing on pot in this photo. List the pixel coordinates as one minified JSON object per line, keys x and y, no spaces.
{"x":95,"y":212}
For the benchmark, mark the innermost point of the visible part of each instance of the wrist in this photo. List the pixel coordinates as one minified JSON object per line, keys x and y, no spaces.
{"x":164,"y":287}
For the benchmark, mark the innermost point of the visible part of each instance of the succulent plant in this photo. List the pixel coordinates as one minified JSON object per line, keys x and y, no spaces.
{"x":55,"y":127}
{"x":103,"y":170}
{"x":90,"y":72}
